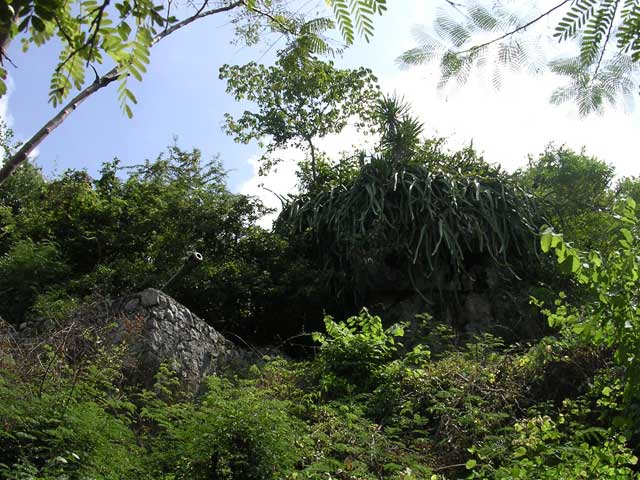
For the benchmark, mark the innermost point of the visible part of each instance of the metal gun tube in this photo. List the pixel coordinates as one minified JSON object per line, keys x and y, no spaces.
{"x":190,"y":263}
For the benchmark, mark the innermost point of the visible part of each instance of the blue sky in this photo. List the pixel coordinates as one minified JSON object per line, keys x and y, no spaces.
{"x":181,"y":95}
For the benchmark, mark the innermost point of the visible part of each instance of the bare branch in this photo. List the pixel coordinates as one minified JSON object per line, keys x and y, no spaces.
{"x":515,"y":30}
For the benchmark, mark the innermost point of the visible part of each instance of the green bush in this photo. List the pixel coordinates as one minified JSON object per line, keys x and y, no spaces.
{"x":25,"y":270}
{"x":353,"y":351}
{"x":610,"y":314}
{"x":57,"y":421}
{"x":234,"y":432}
{"x":414,"y":224}
{"x":564,"y":447}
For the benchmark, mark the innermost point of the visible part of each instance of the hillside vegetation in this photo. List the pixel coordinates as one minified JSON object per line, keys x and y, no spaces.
{"x":546,"y":388}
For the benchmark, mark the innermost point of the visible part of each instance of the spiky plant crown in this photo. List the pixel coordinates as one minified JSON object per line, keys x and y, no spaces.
{"x":422,"y":217}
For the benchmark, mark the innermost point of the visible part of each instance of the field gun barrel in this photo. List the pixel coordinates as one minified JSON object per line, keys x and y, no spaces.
{"x":190,"y":263}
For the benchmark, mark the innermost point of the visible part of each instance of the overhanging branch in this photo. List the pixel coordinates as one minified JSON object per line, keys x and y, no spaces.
{"x":515,"y":30}
{"x":30,"y":145}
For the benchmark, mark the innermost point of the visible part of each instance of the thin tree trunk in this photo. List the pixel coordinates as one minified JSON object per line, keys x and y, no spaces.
{"x":5,"y":40}
{"x":312,"y":149}
{"x":30,"y":145}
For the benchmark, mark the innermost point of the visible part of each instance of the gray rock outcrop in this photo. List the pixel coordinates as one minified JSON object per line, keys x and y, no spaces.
{"x":157,"y":329}
{"x":153,"y":328}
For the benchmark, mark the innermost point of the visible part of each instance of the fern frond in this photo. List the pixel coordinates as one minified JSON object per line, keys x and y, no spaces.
{"x":593,"y":90}
{"x":71,"y":73}
{"x":417,"y":56}
{"x":133,"y":63}
{"x":512,"y":54}
{"x":573,"y":21}
{"x":562,"y":95}
{"x":628,"y":35}
{"x":483,"y":18}
{"x":458,"y":67}
{"x":451,"y":31}
{"x":356,"y":15}
{"x":567,"y":66}
{"x":317,"y":25}
{"x":597,"y":31}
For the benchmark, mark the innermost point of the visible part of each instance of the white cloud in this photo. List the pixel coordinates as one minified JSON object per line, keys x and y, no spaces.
{"x":282,"y":180}
{"x":7,"y":118}
{"x":5,"y":114}
{"x":517,"y":120}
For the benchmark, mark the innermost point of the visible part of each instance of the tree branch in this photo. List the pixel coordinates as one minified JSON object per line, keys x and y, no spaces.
{"x":283,"y":27}
{"x":193,"y":18}
{"x":30,"y":145}
{"x":606,"y":40}
{"x":515,"y":30}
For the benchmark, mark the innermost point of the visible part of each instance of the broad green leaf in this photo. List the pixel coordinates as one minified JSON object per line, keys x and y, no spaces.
{"x":627,"y":234}
{"x":37,"y":23}
{"x":545,"y":241}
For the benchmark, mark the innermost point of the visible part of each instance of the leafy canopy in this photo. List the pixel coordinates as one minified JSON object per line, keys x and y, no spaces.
{"x":66,"y":238}
{"x":298,"y":101}
{"x":575,"y":192}
{"x":93,"y":32}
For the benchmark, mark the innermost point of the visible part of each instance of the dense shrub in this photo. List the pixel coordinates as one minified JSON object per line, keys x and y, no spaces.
{"x":352,"y":352}
{"x":234,"y":432}
{"x":74,"y":235}
{"x":363,"y":408}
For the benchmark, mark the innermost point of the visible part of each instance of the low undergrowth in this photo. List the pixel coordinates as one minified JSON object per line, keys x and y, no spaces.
{"x":365,"y":407}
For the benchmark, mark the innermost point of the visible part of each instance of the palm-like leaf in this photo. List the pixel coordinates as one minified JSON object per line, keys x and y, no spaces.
{"x":614,"y":81}
{"x":400,"y":131}
{"x":428,"y":221}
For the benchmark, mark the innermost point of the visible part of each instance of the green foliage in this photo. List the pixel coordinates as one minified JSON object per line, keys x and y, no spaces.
{"x":628,"y":187}
{"x":90,"y":32}
{"x":545,"y":448}
{"x":480,"y":410}
{"x":25,"y":270}
{"x":74,"y":235}
{"x":352,"y":352}
{"x":400,"y":132}
{"x":233,"y":432}
{"x":62,"y":419}
{"x":299,"y":100}
{"x":575,"y":193}
{"x":357,"y":16}
{"x":415,"y":218}
{"x":611,"y":316}
{"x":453,"y":44}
